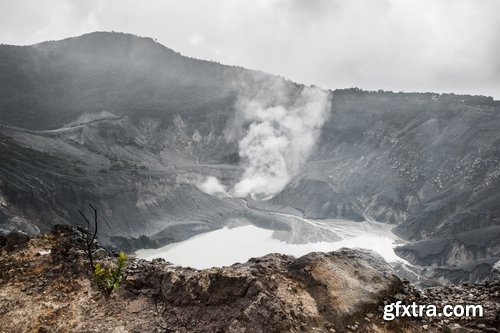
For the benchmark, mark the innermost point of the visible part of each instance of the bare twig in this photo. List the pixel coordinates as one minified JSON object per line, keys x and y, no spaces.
{"x":90,"y":238}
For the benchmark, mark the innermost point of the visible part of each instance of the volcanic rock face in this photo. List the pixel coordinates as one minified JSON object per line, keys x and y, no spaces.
{"x":278,"y":293}
{"x":135,"y":128}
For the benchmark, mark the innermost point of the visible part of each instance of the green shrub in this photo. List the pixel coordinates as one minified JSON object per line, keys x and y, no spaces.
{"x":50,"y":240}
{"x":108,"y":279}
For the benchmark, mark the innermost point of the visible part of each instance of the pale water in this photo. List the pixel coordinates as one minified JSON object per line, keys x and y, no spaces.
{"x":227,"y":246}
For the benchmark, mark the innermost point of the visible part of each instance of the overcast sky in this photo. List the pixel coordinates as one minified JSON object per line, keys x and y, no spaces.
{"x":399,"y":45}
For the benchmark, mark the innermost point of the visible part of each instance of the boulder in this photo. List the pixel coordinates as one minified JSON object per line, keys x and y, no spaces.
{"x":16,"y":240}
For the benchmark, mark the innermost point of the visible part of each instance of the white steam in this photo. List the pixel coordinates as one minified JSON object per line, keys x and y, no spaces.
{"x":212,"y":186}
{"x":279,"y":140}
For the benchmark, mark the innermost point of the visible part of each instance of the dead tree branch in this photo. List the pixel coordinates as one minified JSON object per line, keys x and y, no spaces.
{"x":90,"y":237}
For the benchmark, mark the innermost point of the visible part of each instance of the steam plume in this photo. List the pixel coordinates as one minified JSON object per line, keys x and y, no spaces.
{"x":278,"y":141}
{"x":211,"y":186}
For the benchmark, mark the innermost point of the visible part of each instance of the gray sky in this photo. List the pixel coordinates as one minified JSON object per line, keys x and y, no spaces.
{"x":399,"y":45}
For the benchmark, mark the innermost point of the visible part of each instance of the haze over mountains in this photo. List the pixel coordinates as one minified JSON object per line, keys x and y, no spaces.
{"x":138,"y":129}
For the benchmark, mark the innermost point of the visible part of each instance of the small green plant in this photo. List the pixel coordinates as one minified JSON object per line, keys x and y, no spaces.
{"x":50,"y":240}
{"x":108,"y":279}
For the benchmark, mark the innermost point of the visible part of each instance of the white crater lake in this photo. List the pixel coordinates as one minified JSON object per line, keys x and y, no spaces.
{"x":226,"y":246}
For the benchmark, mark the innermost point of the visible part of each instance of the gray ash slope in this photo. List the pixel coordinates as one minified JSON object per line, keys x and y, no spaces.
{"x":132,"y":126}
{"x":426,"y":163}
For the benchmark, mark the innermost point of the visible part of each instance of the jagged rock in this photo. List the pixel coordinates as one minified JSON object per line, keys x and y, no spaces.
{"x":288,"y":293}
{"x":16,"y":240}
{"x":101,"y":253}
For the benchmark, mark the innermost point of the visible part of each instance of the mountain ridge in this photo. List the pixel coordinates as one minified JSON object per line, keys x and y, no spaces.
{"x":109,"y":53}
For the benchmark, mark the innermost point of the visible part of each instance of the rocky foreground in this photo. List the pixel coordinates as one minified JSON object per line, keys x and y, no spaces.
{"x":45,"y":286}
